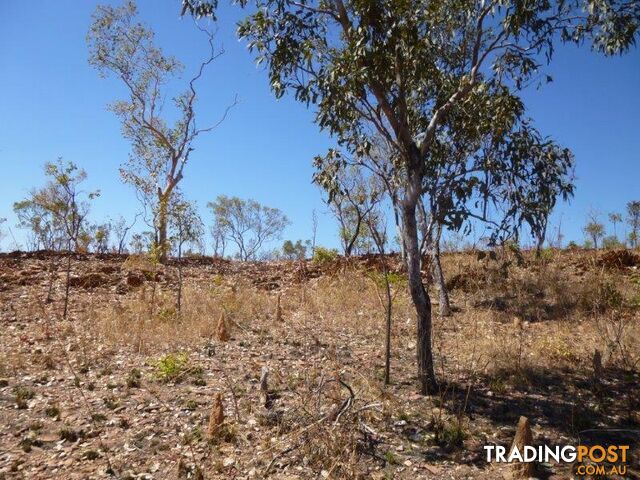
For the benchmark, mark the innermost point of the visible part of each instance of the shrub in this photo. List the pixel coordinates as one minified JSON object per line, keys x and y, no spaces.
{"x":134,"y":377}
{"x":171,"y":366}
{"x":52,"y":411}
{"x":324,"y":255}
{"x":396,"y":280}
{"x":611,"y":242}
{"x":68,"y":434}
{"x":23,"y":394}
{"x":599,"y":295}
{"x":450,"y":435}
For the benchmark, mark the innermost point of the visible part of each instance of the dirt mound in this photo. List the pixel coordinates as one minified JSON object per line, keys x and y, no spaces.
{"x":616,"y":259}
{"x":89,"y":280}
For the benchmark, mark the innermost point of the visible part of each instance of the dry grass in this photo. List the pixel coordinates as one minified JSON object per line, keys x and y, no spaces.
{"x":520,"y":334}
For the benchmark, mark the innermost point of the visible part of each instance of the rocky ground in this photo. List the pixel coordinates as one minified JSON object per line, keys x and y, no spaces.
{"x":126,"y":386}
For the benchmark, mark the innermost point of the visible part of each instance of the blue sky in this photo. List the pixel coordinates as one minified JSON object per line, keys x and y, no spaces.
{"x":52,"y":103}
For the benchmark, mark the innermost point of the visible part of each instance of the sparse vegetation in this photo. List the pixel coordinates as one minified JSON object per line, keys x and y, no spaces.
{"x":550,"y":316}
{"x":148,"y":358}
{"x":325,"y":255}
{"x":171,"y":367}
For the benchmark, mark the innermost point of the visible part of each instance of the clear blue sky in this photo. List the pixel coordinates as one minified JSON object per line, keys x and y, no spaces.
{"x":52,"y":103}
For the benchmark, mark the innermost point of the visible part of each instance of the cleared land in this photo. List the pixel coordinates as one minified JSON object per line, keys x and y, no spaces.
{"x":128,"y":384}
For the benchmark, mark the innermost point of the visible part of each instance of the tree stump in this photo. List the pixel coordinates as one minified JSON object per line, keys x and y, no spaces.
{"x":264,"y":387}
{"x":522,"y":437}
{"x":597,"y":365}
{"x":278,"y":310}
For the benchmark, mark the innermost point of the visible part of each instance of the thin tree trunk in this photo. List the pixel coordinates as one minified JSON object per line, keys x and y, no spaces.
{"x":421,"y":300}
{"x":396,"y":219}
{"x":379,"y":240}
{"x":179,"y":305}
{"x":162,"y":233}
{"x":52,"y":271}
{"x":66,"y":289}
{"x":387,"y":342}
{"x":445,"y":305}
{"x":540,"y":244}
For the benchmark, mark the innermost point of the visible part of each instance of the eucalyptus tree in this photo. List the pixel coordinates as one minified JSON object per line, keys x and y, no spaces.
{"x":295,"y":251}
{"x":402,"y":70}
{"x":376,"y":223}
{"x":187,"y":227}
{"x":351,"y":196}
{"x":45,"y":231}
{"x":247,"y":223}
{"x":58,"y":211}
{"x":121,"y":229}
{"x":615,"y":218}
{"x":122,"y":46}
{"x":633,"y":219}
{"x":219,"y":239}
{"x":594,"y":229}
{"x":100,"y":236}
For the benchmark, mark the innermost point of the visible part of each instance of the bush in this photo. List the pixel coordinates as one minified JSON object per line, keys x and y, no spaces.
{"x":324,"y":255}
{"x":599,"y":294}
{"x":450,"y":435}
{"x":611,"y":242}
{"x":396,"y":280}
{"x":171,"y":366}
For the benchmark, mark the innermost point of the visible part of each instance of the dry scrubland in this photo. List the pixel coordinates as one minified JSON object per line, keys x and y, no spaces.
{"x":130,"y":386}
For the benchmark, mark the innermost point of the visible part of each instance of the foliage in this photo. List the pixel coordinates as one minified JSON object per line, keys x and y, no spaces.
{"x":121,"y":46}
{"x":450,"y":435}
{"x":396,"y":280}
{"x":46,"y":232}
{"x":171,"y":366}
{"x":199,"y":8}
{"x":611,"y":242}
{"x":142,"y":242}
{"x":99,"y":236}
{"x":595,"y":230}
{"x":352,"y":196}
{"x":633,"y":219}
{"x":120,"y":229}
{"x":133,"y":378}
{"x":422,"y":76}
{"x":186,"y":224}
{"x":295,"y":251}
{"x":615,"y":218}
{"x":323,"y":255}
{"x":247,"y":223}
{"x":56,"y":213}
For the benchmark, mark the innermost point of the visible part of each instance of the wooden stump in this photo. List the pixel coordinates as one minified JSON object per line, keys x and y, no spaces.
{"x":264,"y":387}
{"x":522,"y":437}
{"x":597,"y":365}
{"x":278,"y":310}
{"x":183,"y":471}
